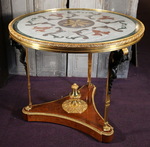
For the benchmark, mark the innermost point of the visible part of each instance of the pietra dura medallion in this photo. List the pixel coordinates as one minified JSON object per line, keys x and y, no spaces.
{"x":75,"y":26}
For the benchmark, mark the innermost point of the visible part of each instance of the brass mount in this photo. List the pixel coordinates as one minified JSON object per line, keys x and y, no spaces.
{"x":106,"y":127}
{"x":28,"y":108}
{"x":75,"y":92}
{"x":74,"y":104}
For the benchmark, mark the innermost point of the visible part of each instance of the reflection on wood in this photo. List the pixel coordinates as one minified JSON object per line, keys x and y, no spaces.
{"x":89,"y":121}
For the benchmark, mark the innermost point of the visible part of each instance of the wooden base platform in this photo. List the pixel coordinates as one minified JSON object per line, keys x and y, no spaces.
{"x":89,"y":122}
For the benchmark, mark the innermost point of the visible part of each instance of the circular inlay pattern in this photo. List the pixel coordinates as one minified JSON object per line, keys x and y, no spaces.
{"x":76,"y":23}
{"x":74,"y":26}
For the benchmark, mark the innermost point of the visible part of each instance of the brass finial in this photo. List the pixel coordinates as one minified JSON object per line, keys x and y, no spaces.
{"x":74,"y":104}
{"x":75,"y":92}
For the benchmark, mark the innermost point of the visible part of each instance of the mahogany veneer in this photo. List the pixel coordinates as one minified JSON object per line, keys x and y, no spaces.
{"x":89,"y":122}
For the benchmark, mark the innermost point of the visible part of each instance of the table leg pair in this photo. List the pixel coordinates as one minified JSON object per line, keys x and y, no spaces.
{"x":77,"y":110}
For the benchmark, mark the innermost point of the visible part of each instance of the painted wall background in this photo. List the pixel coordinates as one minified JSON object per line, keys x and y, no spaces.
{"x":44,"y":63}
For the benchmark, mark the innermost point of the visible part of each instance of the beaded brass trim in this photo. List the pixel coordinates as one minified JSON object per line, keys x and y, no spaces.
{"x":77,"y":47}
{"x":71,"y":119}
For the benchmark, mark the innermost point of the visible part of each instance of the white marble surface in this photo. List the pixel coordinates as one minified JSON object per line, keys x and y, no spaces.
{"x":76,"y":26}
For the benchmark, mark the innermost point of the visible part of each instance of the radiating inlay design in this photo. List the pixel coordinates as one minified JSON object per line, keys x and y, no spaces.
{"x":75,"y":26}
{"x":76,"y":23}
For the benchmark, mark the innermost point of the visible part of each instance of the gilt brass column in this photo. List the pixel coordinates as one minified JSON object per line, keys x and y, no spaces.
{"x":29,"y":82}
{"x":89,"y":68}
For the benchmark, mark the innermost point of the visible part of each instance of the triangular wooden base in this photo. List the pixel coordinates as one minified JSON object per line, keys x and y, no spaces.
{"x":89,"y":122}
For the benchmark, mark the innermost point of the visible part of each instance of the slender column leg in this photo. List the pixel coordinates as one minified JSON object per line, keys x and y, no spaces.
{"x":24,"y":55}
{"x":107,"y":104}
{"x":89,"y":68}
{"x":115,"y":58}
{"x":29,"y":82}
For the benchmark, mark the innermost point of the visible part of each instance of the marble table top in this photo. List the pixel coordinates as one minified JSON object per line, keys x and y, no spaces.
{"x":75,"y":26}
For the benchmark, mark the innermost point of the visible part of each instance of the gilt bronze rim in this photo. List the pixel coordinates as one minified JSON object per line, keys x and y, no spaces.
{"x":77,"y":47}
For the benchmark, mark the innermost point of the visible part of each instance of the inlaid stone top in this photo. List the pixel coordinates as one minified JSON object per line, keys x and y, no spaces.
{"x":74,"y":26}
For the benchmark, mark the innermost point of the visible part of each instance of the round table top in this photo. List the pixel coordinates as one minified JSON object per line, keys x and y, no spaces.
{"x":76,"y":30}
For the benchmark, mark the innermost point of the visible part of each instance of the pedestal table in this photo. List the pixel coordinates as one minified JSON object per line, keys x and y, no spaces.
{"x":76,"y":31}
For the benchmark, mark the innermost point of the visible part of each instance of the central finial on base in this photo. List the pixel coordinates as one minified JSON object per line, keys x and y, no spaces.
{"x":75,"y":92}
{"x":74,"y":104}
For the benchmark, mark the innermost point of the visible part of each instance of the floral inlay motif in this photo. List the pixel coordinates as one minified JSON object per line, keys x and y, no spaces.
{"x":76,"y":23}
{"x":57,"y":15}
{"x":41,"y":29}
{"x":76,"y":26}
{"x":100,"y":33}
